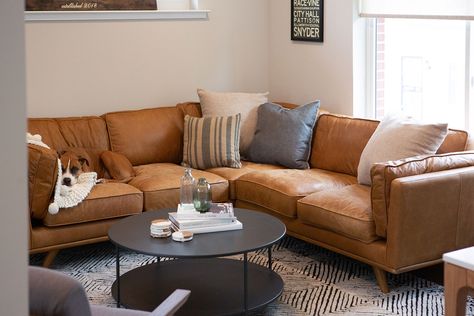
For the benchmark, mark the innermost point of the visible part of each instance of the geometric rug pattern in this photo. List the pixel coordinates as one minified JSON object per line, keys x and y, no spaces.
{"x":317,"y":281}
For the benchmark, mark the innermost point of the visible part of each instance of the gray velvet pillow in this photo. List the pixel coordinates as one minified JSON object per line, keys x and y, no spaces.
{"x":283,"y":136}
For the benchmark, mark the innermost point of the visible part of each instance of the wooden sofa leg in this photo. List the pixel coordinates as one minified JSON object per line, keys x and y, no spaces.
{"x":50,"y":258}
{"x":381,"y":277}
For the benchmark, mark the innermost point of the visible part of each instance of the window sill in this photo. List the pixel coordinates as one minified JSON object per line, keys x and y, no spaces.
{"x":32,"y":16}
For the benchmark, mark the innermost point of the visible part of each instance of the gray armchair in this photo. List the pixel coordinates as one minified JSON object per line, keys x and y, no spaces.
{"x":55,"y":294}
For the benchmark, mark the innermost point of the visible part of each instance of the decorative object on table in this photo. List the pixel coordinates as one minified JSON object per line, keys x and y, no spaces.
{"x":201,"y":227}
{"x":232,"y":103}
{"x":182,"y":236}
{"x":186,"y":190}
{"x":210,"y":142}
{"x":194,"y":4}
{"x":399,"y":138}
{"x":90,"y":5}
{"x":220,"y":218}
{"x":216,"y":211}
{"x":199,"y":222}
{"x":307,"y":23}
{"x":283,"y":136}
{"x":160,"y":228}
{"x":202,"y":197}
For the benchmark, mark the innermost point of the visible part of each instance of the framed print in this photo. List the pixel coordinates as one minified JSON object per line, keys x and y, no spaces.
{"x":307,"y":20}
{"x":89,"y":5}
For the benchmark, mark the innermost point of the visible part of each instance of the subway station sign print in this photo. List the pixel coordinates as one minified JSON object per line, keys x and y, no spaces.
{"x":307,"y":20}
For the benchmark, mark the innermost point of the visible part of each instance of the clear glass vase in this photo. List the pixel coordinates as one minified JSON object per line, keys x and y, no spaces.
{"x":186,"y":190}
{"x":202,"y":196}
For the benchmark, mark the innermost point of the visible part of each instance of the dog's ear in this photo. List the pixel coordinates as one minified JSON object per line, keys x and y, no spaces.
{"x":83,"y":161}
{"x":60,"y":152}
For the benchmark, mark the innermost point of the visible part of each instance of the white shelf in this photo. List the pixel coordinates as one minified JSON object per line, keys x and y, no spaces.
{"x":116,"y":15}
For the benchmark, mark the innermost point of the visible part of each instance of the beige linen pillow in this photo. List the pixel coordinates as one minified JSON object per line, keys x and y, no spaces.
{"x":398,"y":138}
{"x":232,"y":103}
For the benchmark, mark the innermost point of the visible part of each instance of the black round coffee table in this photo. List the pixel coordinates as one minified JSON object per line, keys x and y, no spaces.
{"x":219,"y":286}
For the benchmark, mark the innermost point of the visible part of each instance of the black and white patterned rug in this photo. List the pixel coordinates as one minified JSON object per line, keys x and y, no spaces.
{"x":317,"y":281}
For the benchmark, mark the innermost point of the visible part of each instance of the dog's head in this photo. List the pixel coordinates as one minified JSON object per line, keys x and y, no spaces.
{"x":72,"y":166}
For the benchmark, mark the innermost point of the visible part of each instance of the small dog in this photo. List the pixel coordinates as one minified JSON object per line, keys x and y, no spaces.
{"x":72,"y":166}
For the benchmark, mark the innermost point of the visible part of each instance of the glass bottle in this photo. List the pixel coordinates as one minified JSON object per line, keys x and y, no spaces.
{"x":202,"y":196}
{"x":186,"y":190}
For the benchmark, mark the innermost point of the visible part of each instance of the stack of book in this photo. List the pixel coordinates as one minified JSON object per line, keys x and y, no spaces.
{"x":220,"y":217}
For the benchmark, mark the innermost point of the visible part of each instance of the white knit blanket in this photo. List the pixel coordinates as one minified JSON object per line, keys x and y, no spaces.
{"x":65,"y":196}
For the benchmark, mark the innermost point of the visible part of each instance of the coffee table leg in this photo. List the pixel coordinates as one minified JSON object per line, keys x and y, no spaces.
{"x":245,"y":283}
{"x":117,"y":270}
{"x":270,"y":257}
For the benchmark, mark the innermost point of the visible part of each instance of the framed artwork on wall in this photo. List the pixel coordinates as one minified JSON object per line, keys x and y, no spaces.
{"x":307,"y":20}
{"x":89,"y":5}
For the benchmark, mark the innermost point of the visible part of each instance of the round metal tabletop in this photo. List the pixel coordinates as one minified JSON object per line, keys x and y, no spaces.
{"x":260,"y":230}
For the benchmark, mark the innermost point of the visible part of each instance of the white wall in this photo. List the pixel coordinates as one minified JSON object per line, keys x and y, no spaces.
{"x":83,"y":68}
{"x":13,"y":205}
{"x":302,"y":71}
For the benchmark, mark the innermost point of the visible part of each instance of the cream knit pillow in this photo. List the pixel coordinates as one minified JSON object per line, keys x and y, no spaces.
{"x":232,"y":103}
{"x":397,"y":138}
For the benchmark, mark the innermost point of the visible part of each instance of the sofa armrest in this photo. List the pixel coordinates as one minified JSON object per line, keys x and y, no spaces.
{"x":42,"y":175}
{"x":430,"y":214}
{"x":383,"y":174}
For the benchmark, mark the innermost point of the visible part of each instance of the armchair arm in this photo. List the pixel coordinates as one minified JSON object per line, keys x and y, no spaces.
{"x":42,"y":175}
{"x":383,"y":174}
{"x":430,"y":214}
{"x":172,"y":303}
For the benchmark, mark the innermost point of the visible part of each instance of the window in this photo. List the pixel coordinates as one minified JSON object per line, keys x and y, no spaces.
{"x":419,"y":59}
{"x":422,"y":69}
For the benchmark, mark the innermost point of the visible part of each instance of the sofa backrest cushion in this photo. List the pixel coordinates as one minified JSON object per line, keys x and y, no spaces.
{"x":190,"y":108}
{"x":456,"y":140}
{"x":338,"y":142}
{"x":383,"y":174}
{"x":84,"y":135}
{"x":147,"y":136}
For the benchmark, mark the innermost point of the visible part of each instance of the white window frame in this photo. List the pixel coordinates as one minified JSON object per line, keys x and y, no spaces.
{"x":371,"y":40}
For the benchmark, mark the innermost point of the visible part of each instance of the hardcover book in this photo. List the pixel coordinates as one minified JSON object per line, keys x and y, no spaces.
{"x":217,"y":211}
{"x":235,"y":225}
{"x":199,"y":222}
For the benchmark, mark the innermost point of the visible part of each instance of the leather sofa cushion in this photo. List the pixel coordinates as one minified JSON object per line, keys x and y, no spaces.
{"x":345,"y":211}
{"x":278,"y":190}
{"x":384,"y":173}
{"x":456,"y":140}
{"x":339,"y":141}
{"x":86,"y":132}
{"x":84,"y":135}
{"x":105,"y":201}
{"x":147,"y":136}
{"x":232,"y":174}
{"x":190,"y":108}
{"x":49,"y":131}
{"x":160,"y":184}
{"x":42,"y":175}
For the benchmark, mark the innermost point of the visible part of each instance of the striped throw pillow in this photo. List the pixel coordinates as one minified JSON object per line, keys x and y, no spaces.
{"x":211,"y":142}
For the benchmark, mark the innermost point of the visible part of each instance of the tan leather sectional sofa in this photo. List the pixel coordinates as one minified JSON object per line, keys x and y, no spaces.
{"x":416,"y":209}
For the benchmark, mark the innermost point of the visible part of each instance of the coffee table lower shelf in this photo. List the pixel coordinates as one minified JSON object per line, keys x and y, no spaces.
{"x":217,"y":286}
